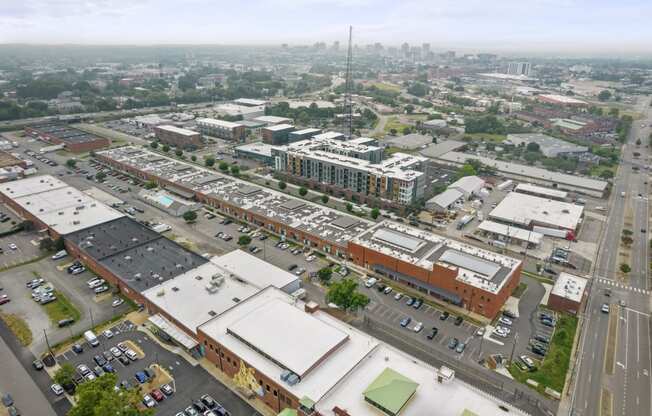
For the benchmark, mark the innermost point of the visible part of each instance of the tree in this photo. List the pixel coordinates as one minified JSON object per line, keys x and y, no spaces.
{"x":324,"y":199}
{"x":606,"y":174}
{"x":235,"y":170}
{"x":409,"y":109}
{"x":349,"y":207}
{"x":466,"y":170}
{"x":46,"y":244}
{"x":150,"y":185}
{"x":325,"y":274}
{"x":438,"y":188}
{"x":244,"y":240}
{"x":624,"y":267}
{"x":166,"y":148}
{"x":178,"y":152}
{"x":193,"y":158}
{"x":375,"y":212}
{"x":154,"y":145}
{"x":64,"y":374}
{"x":99,"y":398}
{"x":303,"y":191}
{"x":282,"y":185}
{"x":209,"y":161}
{"x":533,"y":147}
{"x":100,"y":176}
{"x":224,"y":167}
{"x":190,"y":216}
{"x":604,"y":95}
{"x":71,"y":163}
{"x":393,"y":131}
{"x":345,"y":295}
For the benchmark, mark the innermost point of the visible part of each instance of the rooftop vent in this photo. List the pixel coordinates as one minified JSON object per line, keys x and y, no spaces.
{"x":212,"y":313}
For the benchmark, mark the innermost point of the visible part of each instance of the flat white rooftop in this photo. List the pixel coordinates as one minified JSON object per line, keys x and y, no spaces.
{"x":562,"y":99}
{"x":217,"y":123}
{"x":199,"y":295}
{"x":273,"y":119}
{"x":303,"y":342}
{"x":451,"y":398}
{"x":255,"y":271}
{"x":325,"y":375}
{"x":30,"y":186}
{"x":257,"y":147}
{"x":540,"y":190}
{"x":510,"y":231}
{"x":279,"y":127}
{"x":178,"y":130}
{"x":63,"y":208}
{"x":569,"y":286}
{"x":523,"y":209}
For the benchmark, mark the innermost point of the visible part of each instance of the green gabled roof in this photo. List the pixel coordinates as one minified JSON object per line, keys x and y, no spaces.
{"x":390,"y":390}
{"x":288,"y":412}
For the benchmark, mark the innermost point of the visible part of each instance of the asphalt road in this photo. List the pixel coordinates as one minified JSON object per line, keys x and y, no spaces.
{"x":630,"y":383}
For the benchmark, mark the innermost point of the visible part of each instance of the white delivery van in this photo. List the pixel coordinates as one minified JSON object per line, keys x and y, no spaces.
{"x":91,"y":338}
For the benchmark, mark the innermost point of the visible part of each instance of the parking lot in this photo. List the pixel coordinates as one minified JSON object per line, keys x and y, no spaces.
{"x":190,"y":383}
{"x":93,"y":309}
{"x":19,"y":248}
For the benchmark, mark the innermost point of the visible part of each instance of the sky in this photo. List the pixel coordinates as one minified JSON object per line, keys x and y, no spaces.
{"x":599,"y":26}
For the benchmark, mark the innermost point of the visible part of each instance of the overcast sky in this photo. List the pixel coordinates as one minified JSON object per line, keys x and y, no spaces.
{"x":499,"y":25}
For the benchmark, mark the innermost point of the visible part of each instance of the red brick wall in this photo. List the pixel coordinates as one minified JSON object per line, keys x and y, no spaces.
{"x":561,"y":304}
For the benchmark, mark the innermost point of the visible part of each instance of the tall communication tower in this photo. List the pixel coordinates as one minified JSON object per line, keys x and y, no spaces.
{"x":348,"y":103}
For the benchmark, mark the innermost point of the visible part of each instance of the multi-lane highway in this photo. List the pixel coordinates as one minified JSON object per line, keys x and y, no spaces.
{"x":620,"y":372}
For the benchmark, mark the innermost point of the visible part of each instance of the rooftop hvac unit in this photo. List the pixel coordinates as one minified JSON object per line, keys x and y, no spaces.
{"x":210,"y":288}
{"x":127,"y":257}
{"x":217,"y":279}
{"x":160,"y":293}
{"x":292,"y":379}
{"x":285,"y":374}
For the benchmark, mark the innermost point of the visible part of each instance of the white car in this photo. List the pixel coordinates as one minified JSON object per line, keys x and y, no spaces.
{"x":59,"y":255}
{"x":96,"y":283}
{"x":500,"y":333}
{"x":56,"y":389}
{"x":605,"y":308}
{"x":310,"y":258}
{"x":149,"y":401}
{"x":505,"y":321}
{"x":115,"y":351}
{"x":108,"y":333}
{"x":131,"y":354}
{"x":370,"y":282}
{"x":418,"y":327}
{"x":13,"y":246}
{"x":504,"y":329}
{"x":117,"y":302}
{"x":387,"y":290}
{"x":398,"y":296}
{"x":101,"y":289}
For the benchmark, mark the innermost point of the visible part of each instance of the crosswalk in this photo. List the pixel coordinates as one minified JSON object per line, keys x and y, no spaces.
{"x":618,"y":285}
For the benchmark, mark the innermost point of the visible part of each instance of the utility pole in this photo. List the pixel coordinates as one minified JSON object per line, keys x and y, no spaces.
{"x":348,"y":103}
{"x":47,"y":342}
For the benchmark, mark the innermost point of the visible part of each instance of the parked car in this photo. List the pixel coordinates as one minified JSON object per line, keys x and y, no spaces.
{"x":56,"y":389}
{"x":77,"y":349}
{"x":148,"y":401}
{"x":65,"y":322}
{"x":528,"y":362}
{"x":480,"y":332}
{"x":157,"y":395}
{"x":167,"y":389}
{"x":387,"y":290}
{"x":38,"y":365}
{"x":117,"y":302}
{"x":398,"y":296}
{"x":444,"y":316}
{"x":83,"y":369}
{"x":418,"y":327}
{"x":405,"y":321}
{"x":605,"y":308}
{"x":122,"y":346}
{"x":115,"y":351}
{"x":140,"y":377}
{"x":208,"y":401}
{"x":452,"y":344}
{"x":433,"y":333}
{"x":108,"y":333}
{"x":505,"y":321}
{"x":4,"y":299}
{"x":410,"y":301}
{"x":78,"y":270}
{"x":460,"y":347}
{"x":542,"y":338}
{"x":99,"y":360}
{"x":417,"y":303}
{"x":107,"y":356}
{"x":101,"y":289}
{"x":124,"y":360}
{"x":131,"y":354}
{"x":370,"y":282}
{"x":458,"y":321}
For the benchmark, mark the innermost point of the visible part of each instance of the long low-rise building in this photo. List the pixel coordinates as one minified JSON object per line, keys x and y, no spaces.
{"x":54,"y":206}
{"x":178,"y":137}
{"x":528,"y":211}
{"x":310,"y":224}
{"x":533,"y":174}
{"x":467,"y":276}
{"x":221,"y":129}
{"x":73,"y":140}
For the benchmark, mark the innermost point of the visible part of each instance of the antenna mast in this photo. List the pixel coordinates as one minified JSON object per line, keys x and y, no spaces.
{"x":348,"y":103}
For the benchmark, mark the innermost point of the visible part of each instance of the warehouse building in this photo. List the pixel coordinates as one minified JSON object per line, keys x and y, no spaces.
{"x":352,"y":168}
{"x":250,"y":102}
{"x":221,"y":129}
{"x":468,"y":185}
{"x":167,"y":202}
{"x":73,"y":140}
{"x":53,"y":206}
{"x":237,"y":110}
{"x":540,"y":191}
{"x":445,"y":201}
{"x":178,"y":137}
{"x":549,"y":146}
{"x":508,"y":234}
{"x":529,"y":211}
{"x":533,"y":174}
{"x":464,"y":275}
{"x":410,"y":141}
{"x":277,"y":134}
{"x":562,"y":100}
{"x":273,"y":120}
{"x":259,"y":151}
{"x":310,"y":224}
{"x":568,"y":293}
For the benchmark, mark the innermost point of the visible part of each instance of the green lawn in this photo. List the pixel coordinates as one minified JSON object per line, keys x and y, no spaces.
{"x":394,"y":123}
{"x":387,"y":87}
{"x":552,"y":371}
{"x":19,"y":327}
{"x":496,"y":138}
{"x":61,"y":308}
{"x":520,"y":289}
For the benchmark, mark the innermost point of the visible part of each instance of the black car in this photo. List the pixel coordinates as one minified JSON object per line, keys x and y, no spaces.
{"x":78,"y":349}
{"x":537,"y":349}
{"x":509,"y":314}
{"x":444,"y":316}
{"x":458,"y":321}
{"x":124,"y":360}
{"x":417,"y":303}
{"x":99,"y":360}
{"x":208,"y":401}
{"x":380,"y":287}
{"x":65,"y":322}
{"x":201,"y":407}
{"x":542,"y":338}
{"x":433,"y":333}
{"x":262,"y":237}
{"x":292,"y":267}
{"x":452,"y":344}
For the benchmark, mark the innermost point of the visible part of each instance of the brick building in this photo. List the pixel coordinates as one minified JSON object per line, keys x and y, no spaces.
{"x":74,"y":140}
{"x":464,"y":275}
{"x":568,"y":294}
{"x":178,"y":137}
{"x":226,"y":130}
{"x":277,"y":134}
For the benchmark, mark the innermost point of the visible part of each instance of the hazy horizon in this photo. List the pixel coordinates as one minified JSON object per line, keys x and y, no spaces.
{"x":599,"y":27}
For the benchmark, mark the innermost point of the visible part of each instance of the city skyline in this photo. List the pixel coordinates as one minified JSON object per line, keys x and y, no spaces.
{"x":562,"y":26}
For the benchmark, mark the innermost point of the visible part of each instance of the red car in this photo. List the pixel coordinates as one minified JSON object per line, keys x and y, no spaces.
{"x":4,"y":299}
{"x":157,"y":395}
